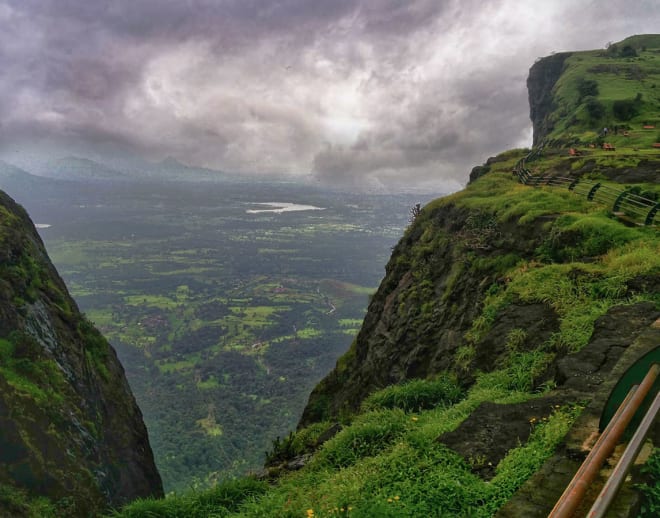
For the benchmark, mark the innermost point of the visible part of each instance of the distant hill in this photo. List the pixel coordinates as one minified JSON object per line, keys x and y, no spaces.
{"x":575,"y":95}
{"x":170,"y":169}
{"x":12,"y":178}
{"x":81,"y":169}
{"x":21,"y":184}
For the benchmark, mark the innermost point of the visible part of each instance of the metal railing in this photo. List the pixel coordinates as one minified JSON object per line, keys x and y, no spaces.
{"x":622,"y":202}
{"x":574,"y":493}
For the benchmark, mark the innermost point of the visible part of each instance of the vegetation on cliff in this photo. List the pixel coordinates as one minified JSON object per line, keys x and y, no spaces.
{"x":574,"y":96}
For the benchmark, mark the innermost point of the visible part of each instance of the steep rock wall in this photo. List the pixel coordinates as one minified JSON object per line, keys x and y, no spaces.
{"x":71,"y":429}
{"x":542,"y":78}
{"x":433,"y":289}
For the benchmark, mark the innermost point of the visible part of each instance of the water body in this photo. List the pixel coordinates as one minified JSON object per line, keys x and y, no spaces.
{"x":279,"y":208}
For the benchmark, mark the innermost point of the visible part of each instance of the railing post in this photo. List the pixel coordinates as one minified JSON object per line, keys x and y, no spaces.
{"x":619,"y":201}
{"x":651,"y":214}
{"x":592,"y":192}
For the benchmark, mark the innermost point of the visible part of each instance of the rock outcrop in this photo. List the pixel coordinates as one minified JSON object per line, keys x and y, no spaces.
{"x":71,"y":429}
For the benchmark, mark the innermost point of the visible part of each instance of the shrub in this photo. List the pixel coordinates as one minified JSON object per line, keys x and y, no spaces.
{"x":587,"y":88}
{"x":625,"y":109}
{"x":594,"y":108}
{"x":651,"y":489}
{"x":415,"y":395}
{"x":218,"y":501}
{"x":297,"y":443}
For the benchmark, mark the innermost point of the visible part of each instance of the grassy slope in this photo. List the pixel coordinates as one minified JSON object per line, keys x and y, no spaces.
{"x":386,"y":462}
{"x":618,"y":78}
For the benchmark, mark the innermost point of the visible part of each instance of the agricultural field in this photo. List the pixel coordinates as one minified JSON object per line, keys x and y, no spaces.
{"x":225,"y":310}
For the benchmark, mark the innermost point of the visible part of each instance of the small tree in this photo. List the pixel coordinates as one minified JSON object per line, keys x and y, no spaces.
{"x":587,"y":87}
{"x":414,"y":212}
{"x":628,"y":52}
{"x":594,"y":108}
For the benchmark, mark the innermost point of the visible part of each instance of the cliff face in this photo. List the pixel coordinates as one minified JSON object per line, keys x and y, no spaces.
{"x":542,"y":78}
{"x":433,"y":290}
{"x":492,"y":276}
{"x":71,"y":429}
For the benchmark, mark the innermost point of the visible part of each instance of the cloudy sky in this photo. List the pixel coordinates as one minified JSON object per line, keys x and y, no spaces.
{"x":377,"y":93}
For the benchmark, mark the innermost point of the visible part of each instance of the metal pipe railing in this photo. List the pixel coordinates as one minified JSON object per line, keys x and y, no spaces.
{"x":574,"y":493}
{"x":621,"y":200}
{"x":618,"y":475}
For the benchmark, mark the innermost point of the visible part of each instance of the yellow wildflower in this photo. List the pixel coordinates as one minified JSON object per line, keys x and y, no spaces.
{"x":389,"y":500}
{"x":396,"y":497}
{"x":414,"y":418}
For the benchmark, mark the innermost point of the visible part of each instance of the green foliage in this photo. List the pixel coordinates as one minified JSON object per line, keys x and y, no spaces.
{"x":519,"y":374}
{"x":520,"y":463}
{"x":464,"y":356}
{"x":398,"y":469}
{"x":16,"y":502}
{"x":599,"y":89}
{"x":628,"y":52}
{"x":525,"y":367}
{"x":369,"y":435}
{"x":515,"y":339}
{"x":595,"y":108}
{"x":296,"y":443}
{"x":579,"y":292}
{"x":574,"y":237}
{"x":626,"y":109}
{"x":415,"y":395}
{"x":651,"y":488}
{"x":587,"y":88}
{"x":218,"y":501}
{"x":28,"y":372}
{"x":96,"y":347}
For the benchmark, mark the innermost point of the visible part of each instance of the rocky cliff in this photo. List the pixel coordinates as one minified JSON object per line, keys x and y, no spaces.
{"x":71,"y":430}
{"x":479,"y":277}
{"x":540,"y":83}
{"x":433,"y":290}
{"x":446,"y":302}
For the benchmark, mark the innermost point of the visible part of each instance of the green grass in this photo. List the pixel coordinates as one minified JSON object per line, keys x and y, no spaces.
{"x":415,"y":395}
{"x":387,"y":463}
{"x":33,"y":377}
{"x":216,"y":502}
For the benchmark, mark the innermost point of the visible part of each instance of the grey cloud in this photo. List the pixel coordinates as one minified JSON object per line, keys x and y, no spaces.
{"x":388,"y":92}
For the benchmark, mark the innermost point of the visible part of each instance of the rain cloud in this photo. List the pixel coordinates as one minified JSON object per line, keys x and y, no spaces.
{"x":387,"y":94}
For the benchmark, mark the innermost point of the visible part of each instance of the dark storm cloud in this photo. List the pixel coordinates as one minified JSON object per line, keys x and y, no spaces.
{"x":377,"y":92}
